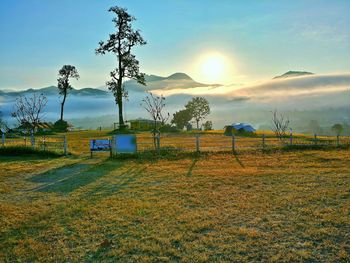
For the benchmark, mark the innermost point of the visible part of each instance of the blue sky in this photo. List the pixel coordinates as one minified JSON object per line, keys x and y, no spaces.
{"x":259,"y":39}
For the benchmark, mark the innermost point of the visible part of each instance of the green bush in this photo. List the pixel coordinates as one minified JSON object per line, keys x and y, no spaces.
{"x":168,"y":128}
{"x":61,"y":126}
{"x":122,"y":131}
{"x":26,"y":151}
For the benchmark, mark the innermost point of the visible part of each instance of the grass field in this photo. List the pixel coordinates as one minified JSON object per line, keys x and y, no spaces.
{"x":78,"y":141}
{"x":278,"y":206}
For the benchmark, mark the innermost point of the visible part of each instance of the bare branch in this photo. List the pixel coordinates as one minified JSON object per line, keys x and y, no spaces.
{"x":155,"y":105}
{"x":280,"y":124}
{"x":29,"y":110}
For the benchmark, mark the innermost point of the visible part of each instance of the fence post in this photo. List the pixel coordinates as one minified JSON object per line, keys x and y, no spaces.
{"x":65,"y":148}
{"x":291,"y":138}
{"x":338,"y":143}
{"x":113,"y":151}
{"x":233,"y":144}
{"x":263,"y":142}
{"x":44,"y":143}
{"x":197,"y":143}
{"x":315,"y":139}
{"x":158,"y":143}
{"x":3,"y":139}
{"x":32,"y":139}
{"x":110,"y":147}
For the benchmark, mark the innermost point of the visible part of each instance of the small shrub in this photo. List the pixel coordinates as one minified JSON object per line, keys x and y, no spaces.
{"x":208,"y":125}
{"x":61,"y":126}
{"x":26,"y":151}
{"x":168,"y":128}
{"x":122,"y":131}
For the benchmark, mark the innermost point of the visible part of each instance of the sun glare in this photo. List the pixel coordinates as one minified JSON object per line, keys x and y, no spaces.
{"x":213,"y":67}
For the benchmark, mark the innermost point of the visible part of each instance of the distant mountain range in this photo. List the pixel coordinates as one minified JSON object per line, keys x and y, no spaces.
{"x":53,"y":91}
{"x":301,"y":95}
{"x":293,"y":74}
{"x":153,"y":82}
{"x":174,"y":81}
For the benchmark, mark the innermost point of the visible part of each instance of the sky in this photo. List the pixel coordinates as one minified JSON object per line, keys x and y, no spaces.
{"x":213,"y":41}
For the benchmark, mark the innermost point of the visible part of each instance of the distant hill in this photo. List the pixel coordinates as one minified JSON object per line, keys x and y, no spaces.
{"x":53,"y":91}
{"x":175,"y":76}
{"x":292,"y":74}
{"x":180,"y":76}
{"x":153,"y":82}
{"x":175,"y":81}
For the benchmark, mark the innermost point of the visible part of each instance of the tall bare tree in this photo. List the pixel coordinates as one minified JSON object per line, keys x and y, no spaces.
{"x":280,"y":124}
{"x":121,"y":43}
{"x":29,"y":110}
{"x":155,"y":105}
{"x":65,"y":73}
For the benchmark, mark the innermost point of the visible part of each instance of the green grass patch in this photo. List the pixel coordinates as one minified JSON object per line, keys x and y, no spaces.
{"x":26,"y":151}
{"x":315,"y":147}
{"x":122,"y":131}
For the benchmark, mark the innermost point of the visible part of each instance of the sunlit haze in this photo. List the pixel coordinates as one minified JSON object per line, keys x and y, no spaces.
{"x":228,"y":42}
{"x":214,"y":67}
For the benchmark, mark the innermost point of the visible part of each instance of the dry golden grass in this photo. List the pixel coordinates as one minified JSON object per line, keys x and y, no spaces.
{"x":282,"y":206}
{"x":78,"y":142}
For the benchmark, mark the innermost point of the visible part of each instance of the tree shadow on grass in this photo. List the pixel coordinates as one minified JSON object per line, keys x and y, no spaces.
{"x":193,"y":164}
{"x":24,"y":158}
{"x":66,"y":179}
{"x":122,"y":181}
{"x":238,"y":160}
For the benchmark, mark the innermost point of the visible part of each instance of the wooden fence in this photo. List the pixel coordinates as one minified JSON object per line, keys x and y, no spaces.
{"x":178,"y":142}
{"x":46,"y":143}
{"x":216,"y":143}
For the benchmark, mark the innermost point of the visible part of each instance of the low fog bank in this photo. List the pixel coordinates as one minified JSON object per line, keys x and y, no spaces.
{"x":324,"y":99}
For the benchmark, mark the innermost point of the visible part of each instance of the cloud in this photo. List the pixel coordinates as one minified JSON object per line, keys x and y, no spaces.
{"x":238,"y":99}
{"x":206,"y":90}
{"x":272,"y":90}
{"x":284,"y":89}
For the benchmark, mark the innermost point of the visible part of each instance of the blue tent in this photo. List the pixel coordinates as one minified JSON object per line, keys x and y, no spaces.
{"x":238,"y":128}
{"x":243,"y":127}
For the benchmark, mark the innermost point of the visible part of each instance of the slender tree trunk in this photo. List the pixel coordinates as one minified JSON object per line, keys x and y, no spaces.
{"x":119,"y":87}
{"x":197,"y":124}
{"x":120,"y":113}
{"x":62,"y":105}
{"x":154,"y":134}
{"x":120,"y":104}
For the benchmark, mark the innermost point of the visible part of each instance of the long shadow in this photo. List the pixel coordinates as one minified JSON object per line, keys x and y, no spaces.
{"x":24,"y":158}
{"x":69,"y":178}
{"x":65,"y":180}
{"x":121,"y":181}
{"x":193,"y":164}
{"x":238,"y":160}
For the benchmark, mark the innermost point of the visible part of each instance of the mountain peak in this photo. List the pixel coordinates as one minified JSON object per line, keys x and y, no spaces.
{"x":179,"y":75}
{"x":292,"y":74}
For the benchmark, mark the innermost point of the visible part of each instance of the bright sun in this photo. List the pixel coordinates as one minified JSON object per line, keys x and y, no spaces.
{"x":213,"y":67}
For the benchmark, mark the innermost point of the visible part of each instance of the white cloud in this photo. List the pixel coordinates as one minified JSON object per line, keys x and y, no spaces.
{"x":272,"y":90}
{"x":284,"y":89}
